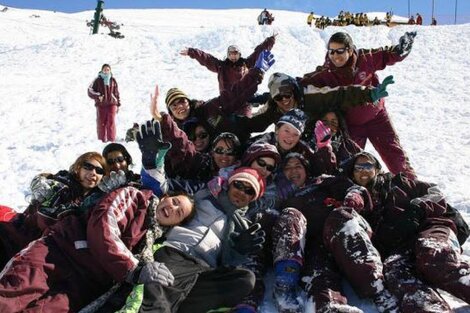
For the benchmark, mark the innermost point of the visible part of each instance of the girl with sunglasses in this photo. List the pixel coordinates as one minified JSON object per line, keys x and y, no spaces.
{"x":409,"y":234}
{"x":344,"y":66}
{"x":119,"y":159}
{"x":52,"y":195}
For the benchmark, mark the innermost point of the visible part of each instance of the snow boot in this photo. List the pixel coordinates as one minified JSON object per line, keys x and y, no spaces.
{"x":286,"y":297}
{"x":386,"y":302}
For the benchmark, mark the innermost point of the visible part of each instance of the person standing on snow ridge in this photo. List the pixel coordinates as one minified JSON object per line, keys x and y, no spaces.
{"x":233,"y":68}
{"x":345,"y":65}
{"x":310,"y":19}
{"x":419,"y":19}
{"x":104,"y":90}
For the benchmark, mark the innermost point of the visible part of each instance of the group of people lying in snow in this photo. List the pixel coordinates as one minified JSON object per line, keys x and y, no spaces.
{"x":214,"y":207}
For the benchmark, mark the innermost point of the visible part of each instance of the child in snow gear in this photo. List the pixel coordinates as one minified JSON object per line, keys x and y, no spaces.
{"x":104,"y":90}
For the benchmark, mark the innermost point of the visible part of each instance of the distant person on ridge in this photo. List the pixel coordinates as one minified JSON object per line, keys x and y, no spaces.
{"x":433,"y":22}
{"x":310,"y":19}
{"x":232,"y":69}
{"x":345,"y":65}
{"x":104,"y":90}
{"x":263,"y":17}
{"x":419,"y":19}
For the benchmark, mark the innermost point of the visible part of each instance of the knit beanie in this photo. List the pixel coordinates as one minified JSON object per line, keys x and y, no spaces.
{"x":174,"y":94}
{"x":280,"y":83}
{"x":295,"y":118}
{"x":258,"y":150}
{"x":250,"y":176}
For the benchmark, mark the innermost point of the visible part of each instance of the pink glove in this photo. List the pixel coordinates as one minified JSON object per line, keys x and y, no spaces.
{"x":215,"y":185}
{"x":322,"y":134}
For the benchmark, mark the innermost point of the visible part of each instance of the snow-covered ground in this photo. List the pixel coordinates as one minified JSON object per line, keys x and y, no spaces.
{"x":47,"y":63}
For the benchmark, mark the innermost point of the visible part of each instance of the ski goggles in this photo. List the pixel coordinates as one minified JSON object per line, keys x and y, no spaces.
{"x":202,"y":135}
{"x":220,"y":150}
{"x":281,"y":97}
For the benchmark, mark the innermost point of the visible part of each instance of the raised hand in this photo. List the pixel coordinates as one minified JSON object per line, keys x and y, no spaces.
{"x":265,"y":61}
{"x":380,"y":91}
{"x":322,"y":134}
{"x":149,"y":138}
{"x":406,"y":43}
{"x":154,"y":104}
{"x":113,"y":181}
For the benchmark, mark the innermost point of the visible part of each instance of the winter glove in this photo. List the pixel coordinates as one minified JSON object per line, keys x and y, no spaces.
{"x":215,"y":185}
{"x":41,"y":188}
{"x":246,"y":239}
{"x":322,"y":134}
{"x":113,"y":181}
{"x":149,"y":273}
{"x":265,"y":61}
{"x":358,"y":198}
{"x":432,"y":204}
{"x":405,"y":44}
{"x":149,"y":138}
{"x":284,"y":187}
{"x":380,"y":91}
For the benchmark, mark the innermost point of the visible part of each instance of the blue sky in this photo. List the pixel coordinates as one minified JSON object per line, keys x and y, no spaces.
{"x":444,"y":10}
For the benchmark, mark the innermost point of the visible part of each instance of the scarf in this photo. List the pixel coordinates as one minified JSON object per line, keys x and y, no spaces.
{"x":106,"y":78}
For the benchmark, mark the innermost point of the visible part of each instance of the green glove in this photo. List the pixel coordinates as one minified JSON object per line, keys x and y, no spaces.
{"x":160,"y":158}
{"x":380,"y":91}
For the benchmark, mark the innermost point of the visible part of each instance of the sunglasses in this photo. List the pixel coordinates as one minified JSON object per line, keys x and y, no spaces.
{"x":198,"y":136}
{"x":90,"y":167}
{"x":119,"y":159}
{"x":220,"y":150}
{"x":281,"y":97}
{"x":364,"y":167}
{"x":263,"y":163}
{"x":338,"y":51}
{"x":247,"y":190}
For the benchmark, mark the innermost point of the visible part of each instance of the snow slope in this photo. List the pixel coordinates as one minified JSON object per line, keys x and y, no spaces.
{"x":47,"y":63}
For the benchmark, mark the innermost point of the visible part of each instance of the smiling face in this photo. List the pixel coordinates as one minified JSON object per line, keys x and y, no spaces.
{"x":223,"y":154}
{"x":233,"y":56}
{"x":180,"y":108}
{"x":287,"y":137}
{"x":295,"y":172}
{"x":116,"y":161}
{"x":88,"y":176}
{"x":364,"y":171}
{"x":285,"y":101}
{"x":240,"y":198}
{"x":330,"y":119}
{"x":334,"y":53}
{"x":200,"y":139}
{"x":172,"y":211}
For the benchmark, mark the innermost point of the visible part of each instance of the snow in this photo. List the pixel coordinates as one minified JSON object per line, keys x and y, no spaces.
{"x":48,"y":62}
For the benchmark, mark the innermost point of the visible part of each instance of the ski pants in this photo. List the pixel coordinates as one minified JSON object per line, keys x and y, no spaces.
{"x":384,"y":138}
{"x":285,"y":240}
{"x":106,"y":122}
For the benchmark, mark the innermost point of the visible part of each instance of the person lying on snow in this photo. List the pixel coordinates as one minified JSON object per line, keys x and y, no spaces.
{"x":88,"y":251}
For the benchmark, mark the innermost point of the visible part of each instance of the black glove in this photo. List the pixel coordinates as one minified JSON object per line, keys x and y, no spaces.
{"x":406,"y":43}
{"x":151,"y":272}
{"x":246,"y":239}
{"x":149,"y":138}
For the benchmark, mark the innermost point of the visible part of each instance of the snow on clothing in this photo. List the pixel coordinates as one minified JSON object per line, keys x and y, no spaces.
{"x":25,"y":227}
{"x":199,"y":247}
{"x":80,"y":258}
{"x":107,"y":108}
{"x":366,"y":122}
{"x":317,"y":201}
{"x":228,"y":72}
